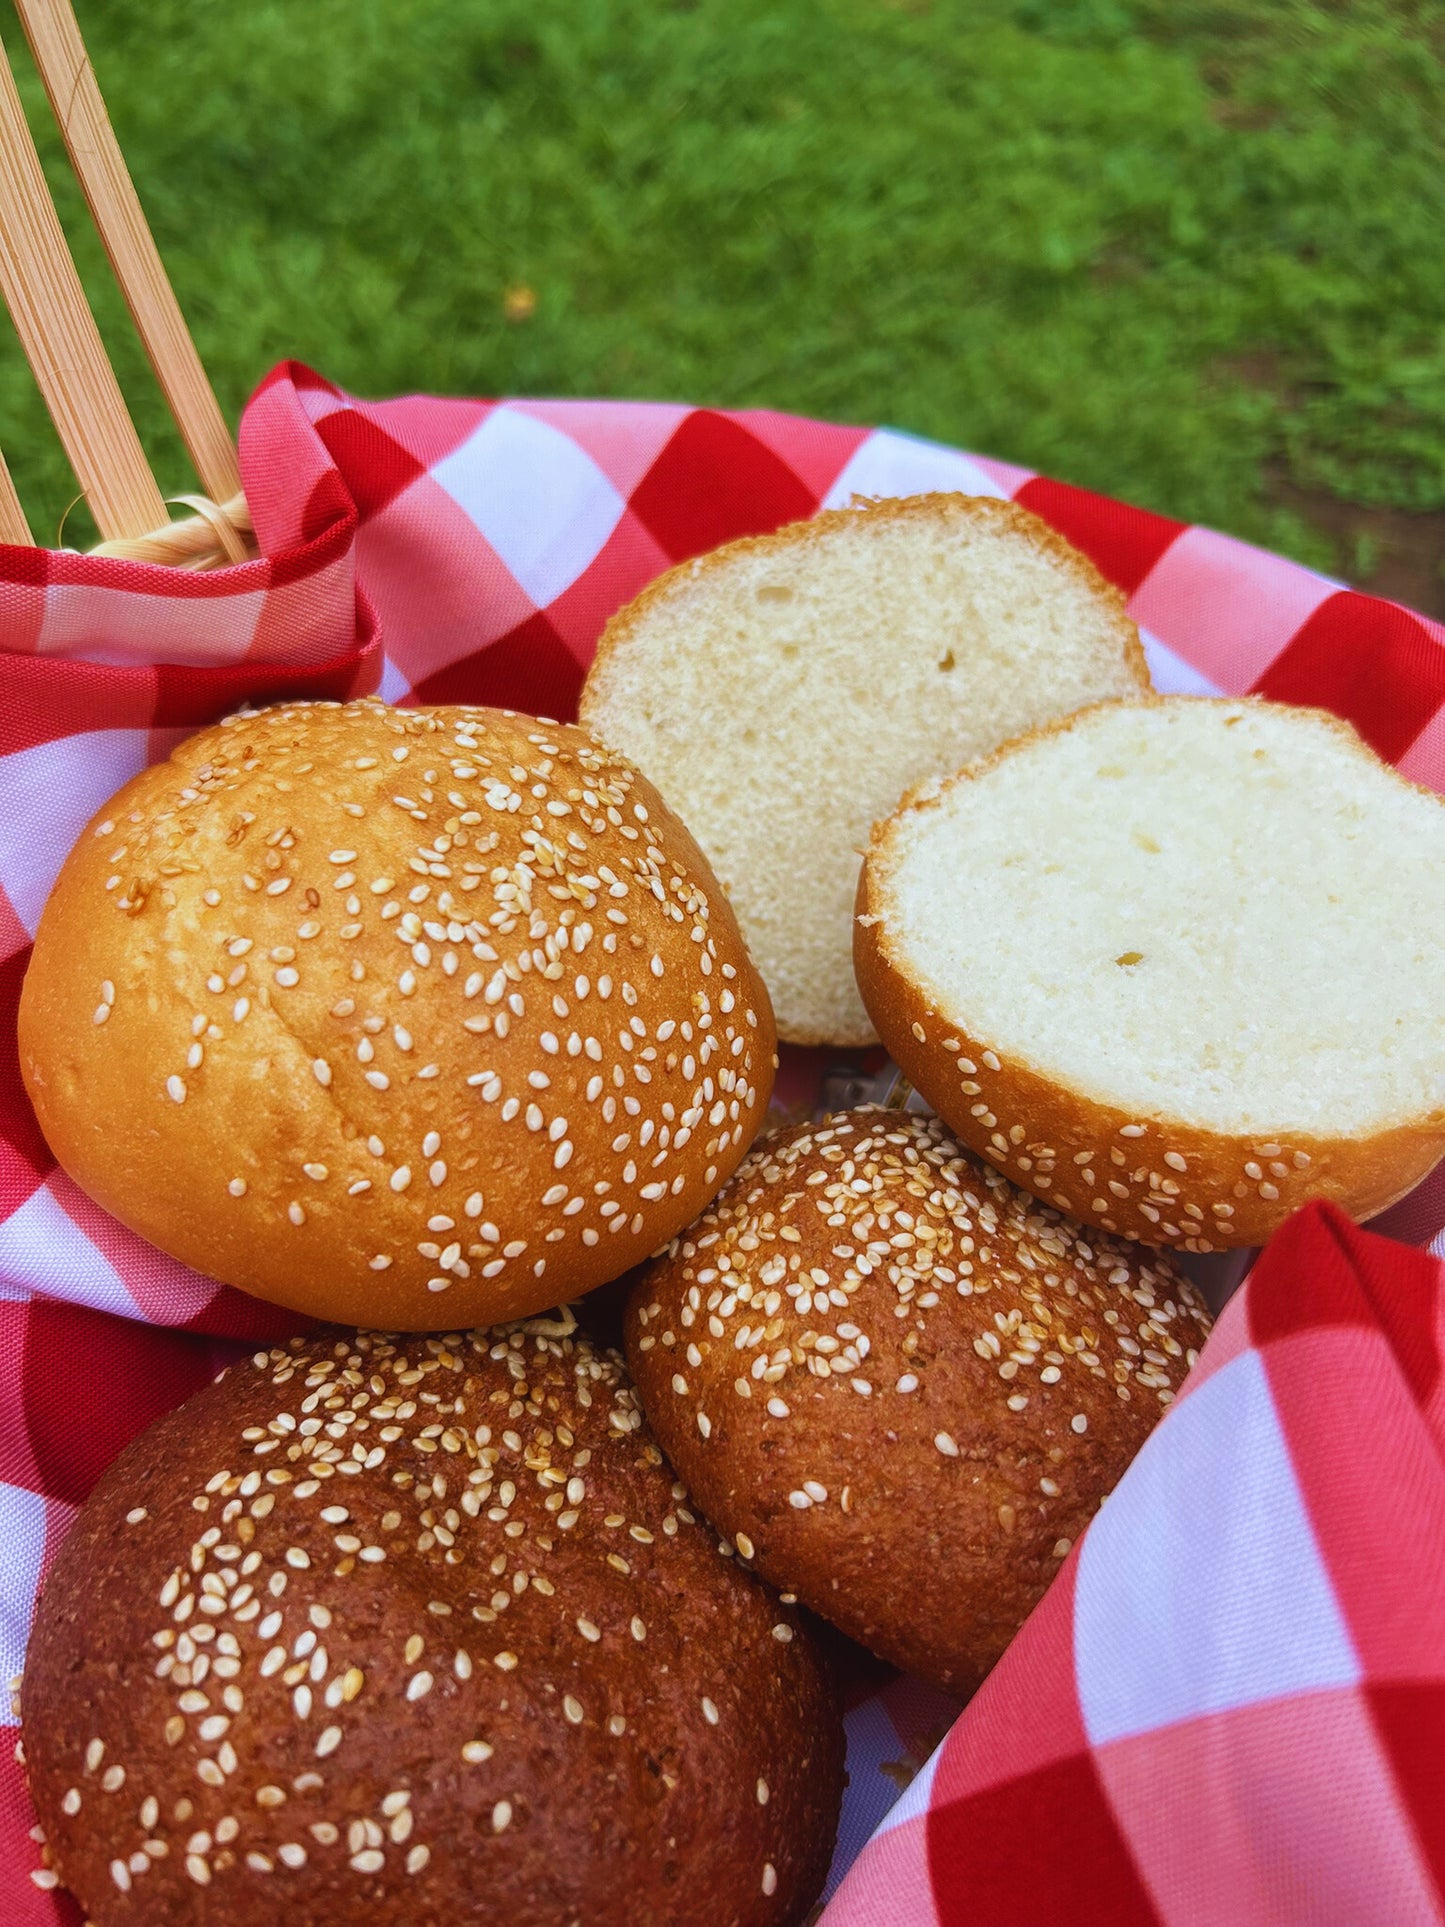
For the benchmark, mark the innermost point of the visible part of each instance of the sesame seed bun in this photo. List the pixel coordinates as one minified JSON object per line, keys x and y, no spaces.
{"x":1176,"y":965}
{"x":391,"y":1015}
{"x":902,"y":1385}
{"x":497,"y":1674}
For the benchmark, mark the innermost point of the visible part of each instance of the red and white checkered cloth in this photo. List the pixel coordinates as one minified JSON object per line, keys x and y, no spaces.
{"x":1230,"y":1707}
{"x":471,"y":551}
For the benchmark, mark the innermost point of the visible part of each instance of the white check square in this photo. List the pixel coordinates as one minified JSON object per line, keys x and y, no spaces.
{"x":541,"y":501}
{"x":1200,"y":1585}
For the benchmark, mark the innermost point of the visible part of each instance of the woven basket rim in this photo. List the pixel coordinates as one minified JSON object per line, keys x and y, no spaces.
{"x":216,"y":535}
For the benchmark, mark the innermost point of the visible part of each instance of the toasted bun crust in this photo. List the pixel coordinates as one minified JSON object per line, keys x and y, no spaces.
{"x":1156,"y":1177}
{"x":901,"y":1384}
{"x":497,"y":1677}
{"x":392,"y":1014}
{"x":784,"y":690}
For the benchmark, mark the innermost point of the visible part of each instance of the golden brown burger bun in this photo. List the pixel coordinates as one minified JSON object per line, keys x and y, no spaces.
{"x":395,"y":1016}
{"x":902,"y":1385}
{"x":496,"y":1676}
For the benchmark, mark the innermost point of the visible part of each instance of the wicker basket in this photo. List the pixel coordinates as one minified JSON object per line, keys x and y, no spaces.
{"x":217,"y":534}
{"x":52,"y":317}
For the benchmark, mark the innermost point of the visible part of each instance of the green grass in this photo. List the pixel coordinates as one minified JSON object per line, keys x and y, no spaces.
{"x":1180,"y":250}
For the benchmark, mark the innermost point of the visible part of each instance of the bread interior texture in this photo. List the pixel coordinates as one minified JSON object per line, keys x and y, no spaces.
{"x":784,"y":698}
{"x":1228,"y":913}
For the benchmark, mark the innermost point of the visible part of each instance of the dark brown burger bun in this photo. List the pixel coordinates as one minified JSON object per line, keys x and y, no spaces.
{"x":914,"y":1462}
{"x":271,"y":1680}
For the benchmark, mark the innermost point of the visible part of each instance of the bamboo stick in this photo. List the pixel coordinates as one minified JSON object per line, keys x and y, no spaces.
{"x":13,"y":526}
{"x":75,"y":98}
{"x":61,"y":341}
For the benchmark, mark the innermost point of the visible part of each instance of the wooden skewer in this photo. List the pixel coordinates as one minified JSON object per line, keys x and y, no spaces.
{"x":75,"y":99}
{"x":13,"y":526}
{"x":61,"y":341}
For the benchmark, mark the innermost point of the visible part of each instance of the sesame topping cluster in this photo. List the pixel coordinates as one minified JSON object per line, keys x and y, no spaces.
{"x":470,"y":932}
{"x":894,"y":1199}
{"x":363,"y":1553}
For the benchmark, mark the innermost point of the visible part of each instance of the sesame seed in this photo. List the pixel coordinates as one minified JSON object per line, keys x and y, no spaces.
{"x":418,"y":1686}
{"x":770,"y":1878}
{"x":1079,"y":1422}
{"x":946,"y":1444}
{"x":321,"y":1071}
{"x":501,"y":1816}
{"x":176,"y":1089}
{"x":709,"y":1711}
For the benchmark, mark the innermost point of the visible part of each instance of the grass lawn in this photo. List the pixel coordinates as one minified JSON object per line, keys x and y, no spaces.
{"x":1186,"y":251}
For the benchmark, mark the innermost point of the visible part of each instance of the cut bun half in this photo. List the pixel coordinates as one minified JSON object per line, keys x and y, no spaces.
{"x":1177,"y":966}
{"x":784,"y":691}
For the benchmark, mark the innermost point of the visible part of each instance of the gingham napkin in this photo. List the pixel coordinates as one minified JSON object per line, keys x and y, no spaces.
{"x":484,"y":544}
{"x":1230,"y":1707}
